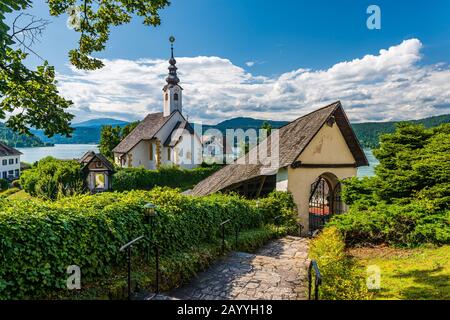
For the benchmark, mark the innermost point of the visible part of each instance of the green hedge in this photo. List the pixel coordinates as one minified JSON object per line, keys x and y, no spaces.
{"x":174,"y":177}
{"x":39,"y":239}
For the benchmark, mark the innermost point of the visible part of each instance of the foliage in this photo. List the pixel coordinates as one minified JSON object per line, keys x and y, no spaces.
{"x":409,"y":274}
{"x":4,"y":184}
{"x":16,"y":184}
{"x":33,"y":92}
{"x":169,"y":176}
{"x":9,"y":192}
{"x":111,"y":136}
{"x":88,"y":230}
{"x":50,"y":178}
{"x":341,"y":277}
{"x":408,"y":201}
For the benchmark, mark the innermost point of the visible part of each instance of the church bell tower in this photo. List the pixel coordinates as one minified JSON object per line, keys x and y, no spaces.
{"x":172,"y":92}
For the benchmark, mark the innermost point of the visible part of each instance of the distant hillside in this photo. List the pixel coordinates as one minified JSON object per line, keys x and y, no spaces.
{"x":88,"y":132}
{"x":13,"y":139}
{"x":100,"y":122}
{"x":369,"y":133}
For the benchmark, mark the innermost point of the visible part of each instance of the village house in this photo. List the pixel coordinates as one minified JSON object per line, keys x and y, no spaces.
{"x":164,"y":138}
{"x":9,"y":162}
{"x":97,"y":170}
{"x":315,"y":152}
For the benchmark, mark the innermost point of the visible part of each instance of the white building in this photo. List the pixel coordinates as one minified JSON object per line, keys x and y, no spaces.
{"x":164,"y":138}
{"x":9,"y":162}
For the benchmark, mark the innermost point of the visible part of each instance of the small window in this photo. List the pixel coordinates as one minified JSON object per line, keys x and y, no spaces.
{"x":168,"y":154}
{"x":167,"y":96}
{"x":16,"y":173}
{"x":4,"y":162}
{"x":5,"y":174}
{"x":11,"y":172}
{"x":151,"y":152}
{"x":17,"y":160}
{"x":11,"y":161}
{"x":98,"y":164}
{"x":175,"y":97}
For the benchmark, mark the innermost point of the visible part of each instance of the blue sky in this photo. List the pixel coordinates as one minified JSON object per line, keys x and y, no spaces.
{"x":267,"y":39}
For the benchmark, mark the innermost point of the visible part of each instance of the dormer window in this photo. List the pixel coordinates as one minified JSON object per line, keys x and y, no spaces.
{"x":175,"y":97}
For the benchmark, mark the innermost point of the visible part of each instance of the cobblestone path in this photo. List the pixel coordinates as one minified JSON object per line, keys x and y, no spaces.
{"x":276,"y":271}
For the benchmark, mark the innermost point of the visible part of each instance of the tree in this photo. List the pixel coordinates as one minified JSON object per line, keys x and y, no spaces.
{"x":267,"y":126}
{"x":109,"y":138}
{"x":31,"y":95}
{"x":128,"y":128}
{"x":50,"y":178}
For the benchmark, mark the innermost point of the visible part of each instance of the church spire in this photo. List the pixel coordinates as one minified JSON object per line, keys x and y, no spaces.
{"x":172,"y":77}
{"x":172,"y":90}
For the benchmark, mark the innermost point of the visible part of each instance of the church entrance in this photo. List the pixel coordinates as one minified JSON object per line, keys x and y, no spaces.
{"x":324,"y":201}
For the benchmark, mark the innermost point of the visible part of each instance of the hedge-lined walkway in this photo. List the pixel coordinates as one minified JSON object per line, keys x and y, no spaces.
{"x":277,"y":271}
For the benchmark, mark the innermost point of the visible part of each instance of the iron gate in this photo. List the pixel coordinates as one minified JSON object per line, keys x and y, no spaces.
{"x":323,"y":203}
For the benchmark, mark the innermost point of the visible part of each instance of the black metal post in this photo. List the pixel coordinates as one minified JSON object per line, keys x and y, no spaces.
{"x":317,"y":281}
{"x":129,"y":271}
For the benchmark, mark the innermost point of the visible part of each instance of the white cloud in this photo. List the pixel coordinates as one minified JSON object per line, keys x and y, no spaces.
{"x":388,"y":86}
{"x":250,"y":63}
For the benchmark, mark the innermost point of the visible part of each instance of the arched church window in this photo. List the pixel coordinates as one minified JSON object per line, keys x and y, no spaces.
{"x":175,"y":96}
{"x":167,"y":96}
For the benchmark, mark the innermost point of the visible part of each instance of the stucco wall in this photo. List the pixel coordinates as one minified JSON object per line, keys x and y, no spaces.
{"x":9,"y":170}
{"x":327,"y":147}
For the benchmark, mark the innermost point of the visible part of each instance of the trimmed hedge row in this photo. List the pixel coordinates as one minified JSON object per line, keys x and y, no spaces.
{"x":174,"y":177}
{"x":40,"y":239}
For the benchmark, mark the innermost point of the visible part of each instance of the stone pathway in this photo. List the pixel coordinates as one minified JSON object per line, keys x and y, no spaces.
{"x":277,"y":271}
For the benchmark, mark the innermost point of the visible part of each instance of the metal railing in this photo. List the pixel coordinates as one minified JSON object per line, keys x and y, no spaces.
{"x":317,"y":279}
{"x":157,"y":253}
{"x":222,"y":226}
{"x":128,"y":248}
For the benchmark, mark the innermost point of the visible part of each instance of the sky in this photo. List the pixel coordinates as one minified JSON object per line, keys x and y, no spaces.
{"x":265,"y":59}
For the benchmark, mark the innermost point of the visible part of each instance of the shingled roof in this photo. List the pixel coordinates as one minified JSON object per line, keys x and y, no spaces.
{"x":8,"y":151}
{"x":293,"y":139}
{"x":89,"y":156}
{"x":145,"y":130}
{"x":177,"y":132}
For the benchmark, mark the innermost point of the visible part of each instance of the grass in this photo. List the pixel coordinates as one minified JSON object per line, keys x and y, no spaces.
{"x":415,"y":274}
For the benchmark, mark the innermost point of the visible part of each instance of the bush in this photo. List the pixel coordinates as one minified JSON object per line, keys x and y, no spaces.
{"x":342,"y":279}
{"x":50,"y":178}
{"x":16,"y":184}
{"x":88,"y":230}
{"x":4,"y":184}
{"x":407,"y":203}
{"x":142,"y":179}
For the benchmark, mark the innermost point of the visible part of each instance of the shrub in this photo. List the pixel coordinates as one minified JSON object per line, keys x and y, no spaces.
{"x":16,"y":184}
{"x":88,"y":230}
{"x":4,"y":184}
{"x":169,"y":176}
{"x":342,"y":279}
{"x":407,"y":202}
{"x":50,"y":178}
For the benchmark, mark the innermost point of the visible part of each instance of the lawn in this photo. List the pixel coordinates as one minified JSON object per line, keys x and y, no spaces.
{"x":409,"y":273}
{"x":21,"y":194}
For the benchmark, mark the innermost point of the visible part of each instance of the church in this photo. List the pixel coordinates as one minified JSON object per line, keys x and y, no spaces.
{"x":163,"y":138}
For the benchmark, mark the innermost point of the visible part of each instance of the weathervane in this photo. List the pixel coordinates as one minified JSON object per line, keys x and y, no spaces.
{"x":172,"y":40}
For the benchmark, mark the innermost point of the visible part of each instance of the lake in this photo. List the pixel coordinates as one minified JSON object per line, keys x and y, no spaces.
{"x":60,"y":151}
{"x":76,"y":151}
